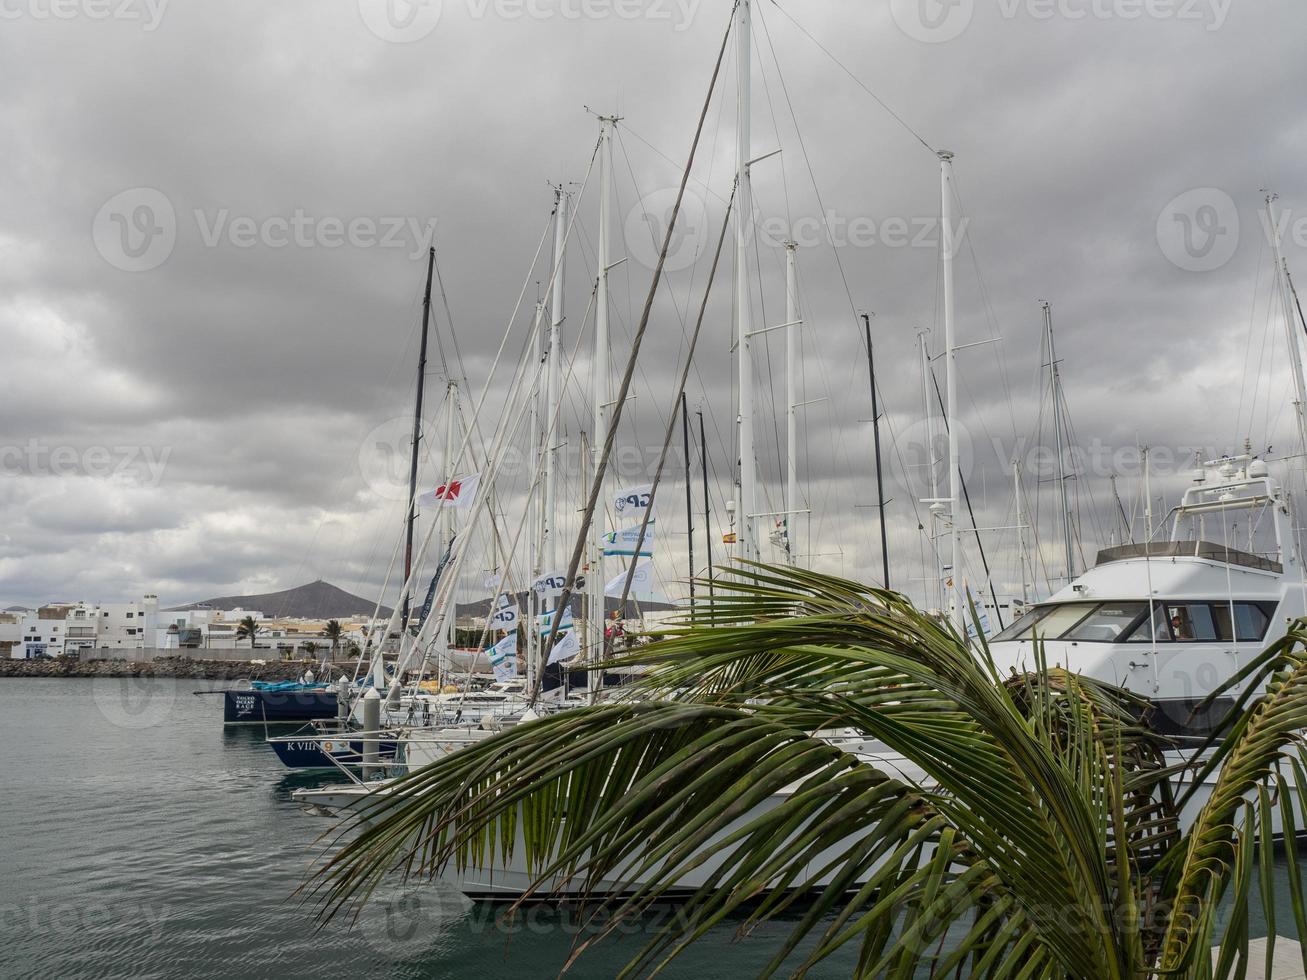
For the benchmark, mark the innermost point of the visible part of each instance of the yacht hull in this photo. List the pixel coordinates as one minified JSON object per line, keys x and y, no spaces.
{"x":277,"y":707}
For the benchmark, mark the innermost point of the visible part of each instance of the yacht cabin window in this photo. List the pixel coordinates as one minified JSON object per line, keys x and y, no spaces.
{"x":1171,"y":622}
{"x":1048,"y":621}
{"x":1106,"y":623}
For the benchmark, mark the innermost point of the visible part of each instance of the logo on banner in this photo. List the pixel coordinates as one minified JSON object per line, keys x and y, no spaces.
{"x":456,"y":493}
{"x":553,"y":584}
{"x":505,"y":616}
{"x":623,"y":543}
{"x":634,"y":502}
{"x":566,"y":646}
{"x":503,"y":658}
{"x":641,"y":580}
{"x":546,"y":621}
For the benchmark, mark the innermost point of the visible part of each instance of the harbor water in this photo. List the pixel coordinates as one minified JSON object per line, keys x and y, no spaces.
{"x":138,"y":838}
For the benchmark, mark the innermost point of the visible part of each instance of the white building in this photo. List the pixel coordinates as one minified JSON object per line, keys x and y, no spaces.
{"x":115,"y":629}
{"x":43,"y":632}
{"x":123,"y":625}
{"x":11,"y":634}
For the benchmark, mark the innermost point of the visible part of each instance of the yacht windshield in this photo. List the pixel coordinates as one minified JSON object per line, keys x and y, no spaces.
{"x":1021,"y":628}
{"x":1049,"y":622}
{"x":1106,"y":623}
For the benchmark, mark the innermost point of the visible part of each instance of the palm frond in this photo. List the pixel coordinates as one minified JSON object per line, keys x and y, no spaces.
{"x":1027,"y":826}
{"x":1264,"y":737}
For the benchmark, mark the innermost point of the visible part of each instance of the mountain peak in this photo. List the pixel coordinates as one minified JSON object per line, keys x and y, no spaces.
{"x":316,"y":600}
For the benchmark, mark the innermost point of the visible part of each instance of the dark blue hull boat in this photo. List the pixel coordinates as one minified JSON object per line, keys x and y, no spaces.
{"x":278,"y":706}
{"x":314,"y":751}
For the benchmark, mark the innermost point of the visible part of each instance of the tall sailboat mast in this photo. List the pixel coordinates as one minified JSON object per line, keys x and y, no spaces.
{"x":1021,"y":532}
{"x":446,"y":518}
{"x":880,"y":470}
{"x":554,"y":383}
{"x":747,"y":541}
{"x":1295,"y":347}
{"x":689,"y":493}
{"x":417,"y":436}
{"x":602,"y":394}
{"x":1055,"y":386}
{"x":951,"y":384}
{"x":535,"y":508}
{"x":936,"y":508}
{"x":791,"y":401}
{"x":707,"y":504}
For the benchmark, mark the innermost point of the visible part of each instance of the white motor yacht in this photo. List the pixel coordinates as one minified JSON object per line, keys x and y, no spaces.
{"x":1172,"y":620}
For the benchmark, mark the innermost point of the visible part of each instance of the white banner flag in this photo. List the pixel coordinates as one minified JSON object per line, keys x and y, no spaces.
{"x":546,"y":621}
{"x":566,"y":645}
{"x":503,"y":658}
{"x":630,"y":505}
{"x":458,"y":492}
{"x":641,"y":581}
{"x":505,"y":617}
{"x":551,"y":584}
{"x":623,"y":543}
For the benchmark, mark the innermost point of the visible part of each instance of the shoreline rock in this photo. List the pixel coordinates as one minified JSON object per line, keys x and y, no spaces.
{"x":181,"y":667}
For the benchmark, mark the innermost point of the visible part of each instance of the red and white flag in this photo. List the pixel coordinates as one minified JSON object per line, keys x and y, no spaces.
{"x":459,"y":492}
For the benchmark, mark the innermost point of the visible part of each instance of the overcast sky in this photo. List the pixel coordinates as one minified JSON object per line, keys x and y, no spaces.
{"x":213,"y":221}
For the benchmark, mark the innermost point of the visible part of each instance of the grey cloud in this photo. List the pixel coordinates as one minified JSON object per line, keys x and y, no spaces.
{"x":263,"y":369}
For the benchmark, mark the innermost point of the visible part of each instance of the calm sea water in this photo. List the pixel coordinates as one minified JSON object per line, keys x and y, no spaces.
{"x":138,"y":838}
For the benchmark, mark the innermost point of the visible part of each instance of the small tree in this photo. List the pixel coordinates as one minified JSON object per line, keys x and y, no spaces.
{"x":333,"y":633}
{"x":310,"y":648}
{"x":248,"y":629}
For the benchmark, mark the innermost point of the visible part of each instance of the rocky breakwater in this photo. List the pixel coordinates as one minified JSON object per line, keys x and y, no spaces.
{"x":209,"y":670}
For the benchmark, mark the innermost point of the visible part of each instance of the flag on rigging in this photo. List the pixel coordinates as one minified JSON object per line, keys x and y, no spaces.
{"x":623,"y":543}
{"x":458,"y":492}
{"x":631,"y":504}
{"x":503,"y":658}
{"x":545,"y":621}
{"x":641,"y":580}
{"x":566,"y":645}
{"x":550,"y":584}
{"x":505,"y":615}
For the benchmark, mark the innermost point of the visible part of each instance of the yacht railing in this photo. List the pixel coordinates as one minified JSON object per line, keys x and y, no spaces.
{"x":1189,"y":549}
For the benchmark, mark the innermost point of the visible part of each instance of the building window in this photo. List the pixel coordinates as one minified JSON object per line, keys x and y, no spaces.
{"x":130,"y":615}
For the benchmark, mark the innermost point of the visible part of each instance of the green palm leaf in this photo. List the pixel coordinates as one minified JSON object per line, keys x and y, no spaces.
{"x":989,"y":826}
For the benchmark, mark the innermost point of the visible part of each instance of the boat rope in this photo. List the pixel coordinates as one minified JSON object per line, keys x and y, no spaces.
{"x":856,"y":80}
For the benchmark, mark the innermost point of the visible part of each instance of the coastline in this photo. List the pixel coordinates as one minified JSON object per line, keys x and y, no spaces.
{"x":182,"y":667}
